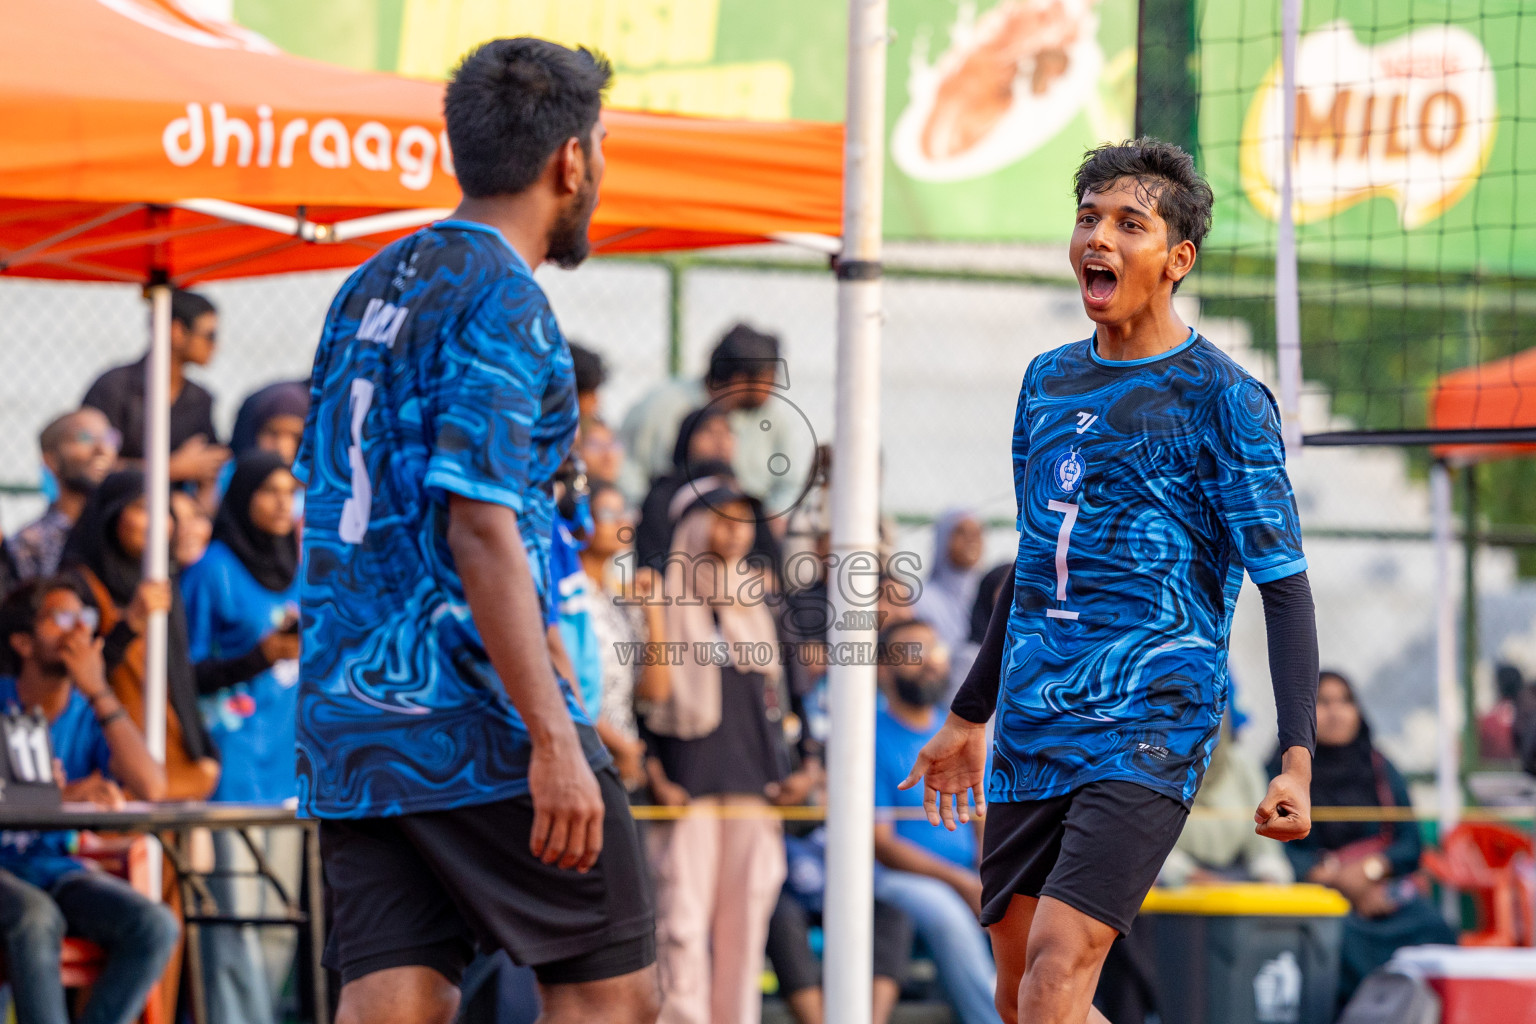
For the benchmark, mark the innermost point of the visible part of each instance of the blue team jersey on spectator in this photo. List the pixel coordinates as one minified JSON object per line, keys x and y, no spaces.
{"x":1145,"y":488}
{"x":573,"y":612}
{"x":896,"y":747}
{"x":440,"y":371}
{"x":252,"y":723}
{"x":42,"y":858}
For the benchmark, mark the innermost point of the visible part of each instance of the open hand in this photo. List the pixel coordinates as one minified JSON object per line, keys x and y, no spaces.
{"x":952,"y":766}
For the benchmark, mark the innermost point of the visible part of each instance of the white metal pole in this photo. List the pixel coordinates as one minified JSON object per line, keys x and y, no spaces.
{"x":157,"y":455}
{"x":157,"y":554}
{"x":1287,"y":289}
{"x":1447,"y":686}
{"x":849,"y":917}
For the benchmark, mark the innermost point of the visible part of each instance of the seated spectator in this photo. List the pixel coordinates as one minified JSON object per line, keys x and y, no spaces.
{"x":1496,"y":726}
{"x":575,"y":646}
{"x":272,"y":420}
{"x":242,"y":596}
{"x":789,"y":937}
{"x":718,"y":740}
{"x":193,"y":529}
{"x":743,"y":373}
{"x":53,"y":663}
{"x":80,"y":449}
{"x":242,"y":602}
{"x":701,"y":457}
{"x":931,"y":872}
{"x":622,"y":620}
{"x":1224,"y":847}
{"x":600,"y":450}
{"x":591,"y":374}
{"x":964,"y":656}
{"x":105,"y":552}
{"x":1372,"y":863}
{"x":949,"y":593}
{"x":196,"y":454}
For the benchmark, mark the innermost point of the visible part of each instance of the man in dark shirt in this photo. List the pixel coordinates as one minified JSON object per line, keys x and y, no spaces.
{"x":196,"y":455}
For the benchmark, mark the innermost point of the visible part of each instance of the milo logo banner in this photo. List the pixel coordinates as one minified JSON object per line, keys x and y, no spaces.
{"x":990,"y":103}
{"x":1407,"y":152}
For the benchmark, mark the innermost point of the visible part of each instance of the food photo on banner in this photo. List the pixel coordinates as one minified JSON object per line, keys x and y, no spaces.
{"x":986,"y":101}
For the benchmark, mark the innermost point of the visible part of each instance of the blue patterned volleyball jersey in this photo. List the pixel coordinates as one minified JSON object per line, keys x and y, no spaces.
{"x":1145,"y":489}
{"x":440,"y":371}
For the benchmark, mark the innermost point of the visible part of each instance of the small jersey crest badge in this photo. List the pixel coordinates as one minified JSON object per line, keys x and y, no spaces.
{"x":1069,"y":471}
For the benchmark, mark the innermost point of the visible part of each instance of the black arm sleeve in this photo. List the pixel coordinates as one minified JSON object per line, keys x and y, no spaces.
{"x":215,"y":674}
{"x":977,"y":697}
{"x":1291,"y":627}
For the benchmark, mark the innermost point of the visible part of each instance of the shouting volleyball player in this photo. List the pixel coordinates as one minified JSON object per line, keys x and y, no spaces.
{"x":464,"y":800}
{"x":1150,"y":474}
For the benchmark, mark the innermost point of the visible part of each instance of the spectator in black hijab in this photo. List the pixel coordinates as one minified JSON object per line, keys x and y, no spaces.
{"x":105,"y":551}
{"x":272,"y":420}
{"x":1372,"y":863}
{"x":701,"y":457}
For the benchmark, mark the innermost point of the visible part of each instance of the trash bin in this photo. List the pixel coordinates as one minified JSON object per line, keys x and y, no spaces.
{"x":1476,"y":986}
{"x":1246,"y":954}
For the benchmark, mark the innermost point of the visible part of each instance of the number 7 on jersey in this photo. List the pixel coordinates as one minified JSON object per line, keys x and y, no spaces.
{"x":1063,"y":539}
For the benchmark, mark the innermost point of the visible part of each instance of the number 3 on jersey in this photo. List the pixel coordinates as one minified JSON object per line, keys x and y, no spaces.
{"x":1063,"y":539}
{"x":356,"y":510}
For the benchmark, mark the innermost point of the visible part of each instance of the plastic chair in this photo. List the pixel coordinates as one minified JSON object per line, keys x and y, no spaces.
{"x":1492,"y":865}
{"x":81,"y":961}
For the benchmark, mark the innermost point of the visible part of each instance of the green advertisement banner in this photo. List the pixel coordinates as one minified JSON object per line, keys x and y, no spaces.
{"x":990,"y":104}
{"x":1410,"y":149}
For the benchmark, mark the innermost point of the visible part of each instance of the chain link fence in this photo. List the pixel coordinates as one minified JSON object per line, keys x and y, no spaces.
{"x":961,"y":325}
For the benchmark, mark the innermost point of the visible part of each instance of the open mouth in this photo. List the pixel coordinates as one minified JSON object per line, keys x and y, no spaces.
{"x":1099,"y":283}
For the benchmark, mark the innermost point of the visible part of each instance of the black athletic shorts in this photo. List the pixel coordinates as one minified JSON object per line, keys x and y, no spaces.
{"x":1098,"y":850}
{"x":428,"y":889}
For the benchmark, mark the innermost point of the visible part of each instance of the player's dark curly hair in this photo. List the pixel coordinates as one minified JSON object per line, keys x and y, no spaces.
{"x":1167,"y":175}
{"x":512,"y":103}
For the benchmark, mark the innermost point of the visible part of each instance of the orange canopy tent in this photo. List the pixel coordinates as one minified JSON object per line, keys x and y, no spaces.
{"x":1496,"y":397}
{"x":144,"y":145}
{"x":141,"y":141}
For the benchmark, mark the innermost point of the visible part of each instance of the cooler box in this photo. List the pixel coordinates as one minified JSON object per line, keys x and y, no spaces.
{"x":1476,"y":985}
{"x":1246,"y":954}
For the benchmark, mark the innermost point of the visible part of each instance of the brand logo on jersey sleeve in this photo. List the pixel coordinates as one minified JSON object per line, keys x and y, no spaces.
{"x":1069,"y":471}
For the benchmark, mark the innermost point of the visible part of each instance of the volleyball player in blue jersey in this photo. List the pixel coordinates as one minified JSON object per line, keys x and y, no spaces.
{"x":1150,"y":476}
{"x":465,"y":799}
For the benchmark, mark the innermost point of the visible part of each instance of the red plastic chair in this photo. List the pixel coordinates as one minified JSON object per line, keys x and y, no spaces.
{"x":81,"y":961}
{"x":1491,"y":864}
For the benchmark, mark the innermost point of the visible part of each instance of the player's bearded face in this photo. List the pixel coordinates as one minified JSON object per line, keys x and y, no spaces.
{"x":568,"y":244}
{"x":1120,"y":252}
